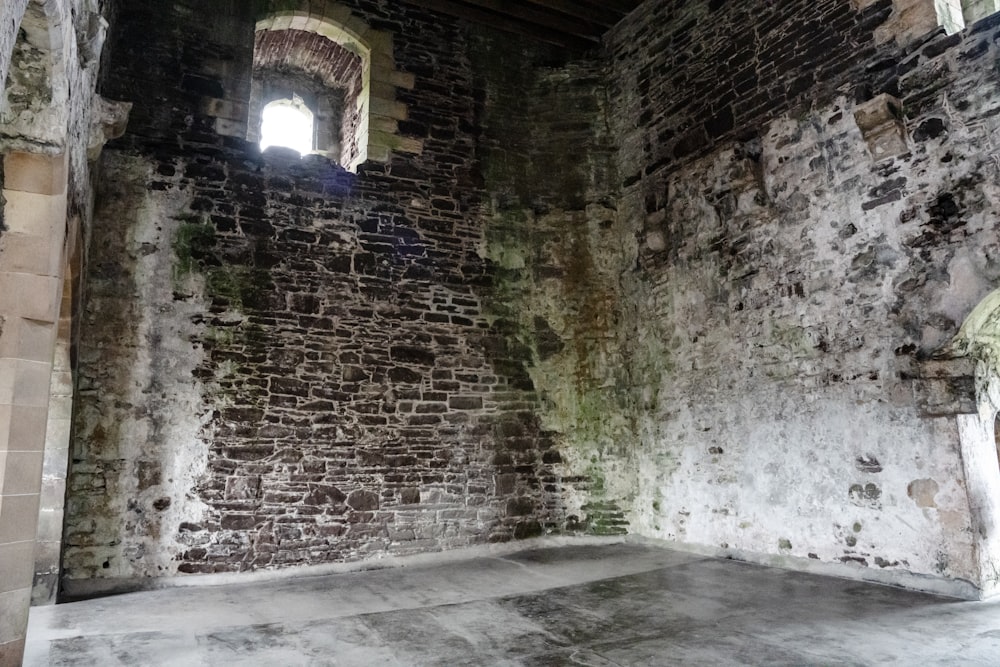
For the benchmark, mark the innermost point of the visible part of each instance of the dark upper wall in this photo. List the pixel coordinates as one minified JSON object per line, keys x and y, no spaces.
{"x":696,"y":74}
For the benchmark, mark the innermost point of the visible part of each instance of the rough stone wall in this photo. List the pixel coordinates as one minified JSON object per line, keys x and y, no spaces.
{"x":671,"y":292}
{"x":10,"y":19}
{"x":782,"y":286}
{"x":550,"y":169}
{"x":282,"y":362}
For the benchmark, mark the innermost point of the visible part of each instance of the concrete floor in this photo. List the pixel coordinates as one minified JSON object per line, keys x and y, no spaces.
{"x":596,"y":606}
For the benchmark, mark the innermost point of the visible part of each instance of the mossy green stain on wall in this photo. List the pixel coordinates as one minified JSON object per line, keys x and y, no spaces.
{"x":553,"y":299}
{"x":238,"y":285}
{"x":192,"y":241}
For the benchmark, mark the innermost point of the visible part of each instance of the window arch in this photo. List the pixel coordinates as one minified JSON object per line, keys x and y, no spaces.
{"x":343,"y":71}
{"x":975,"y":350}
{"x":955,"y":15}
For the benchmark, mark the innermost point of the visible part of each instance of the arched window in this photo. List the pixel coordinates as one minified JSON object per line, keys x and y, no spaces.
{"x":955,"y":15}
{"x":308,"y":72}
{"x":288,"y":123}
{"x":343,"y":70}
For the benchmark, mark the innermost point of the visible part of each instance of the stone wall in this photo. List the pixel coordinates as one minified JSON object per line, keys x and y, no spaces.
{"x":688,"y":290}
{"x":551,"y":233}
{"x":10,"y":19}
{"x":783,"y":284}
{"x":48,"y":52}
{"x":282,"y":362}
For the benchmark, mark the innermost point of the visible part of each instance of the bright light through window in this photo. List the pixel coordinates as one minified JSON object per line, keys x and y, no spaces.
{"x":287,"y":123}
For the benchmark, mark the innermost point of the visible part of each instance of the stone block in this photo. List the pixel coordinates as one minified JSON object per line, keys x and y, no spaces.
{"x":43,"y":589}
{"x":61,"y":382}
{"x":465,"y":402}
{"x":5,"y":412}
{"x":243,"y":488}
{"x":47,"y":556}
{"x":30,"y":296}
{"x":35,"y":173}
{"x":404,"y":80}
{"x":14,"y":613}
{"x":238,"y":522}
{"x":34,"y":214}
{"x":26,"y":427}
{"x":945,"y":387}
{"x":362,"y":501}
{"x":50,"y":524}
{"x":60,"y":407}
{"x":881,"y":123}
{"x":31,"y":253}
{"x":12,"y":652}
{"x":22,"y":472}
{"x":53,"y":493}
{"x":383,"y":106}
{"x":910,"y":20}
{"x":8,"y":375}
{"x":30,"y":340}
{"x":31,"y":384}
{"x":18,"y":518}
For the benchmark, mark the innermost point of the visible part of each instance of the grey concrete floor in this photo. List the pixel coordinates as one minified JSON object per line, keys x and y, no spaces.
{"x":596,"y":606}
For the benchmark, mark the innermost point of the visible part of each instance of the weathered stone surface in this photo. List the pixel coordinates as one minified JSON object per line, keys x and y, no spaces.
{"x":666,"y":290}
{"x":774,"y":328}
{"x":304,"y":354}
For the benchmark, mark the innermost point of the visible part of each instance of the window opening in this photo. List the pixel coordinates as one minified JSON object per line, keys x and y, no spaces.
{"x":955,"y":15}
{"x":343,"y":69}
{"x":287,"y":123}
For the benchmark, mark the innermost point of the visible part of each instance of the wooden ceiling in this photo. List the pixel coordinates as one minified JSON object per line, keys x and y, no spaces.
{"x":577,"y":24}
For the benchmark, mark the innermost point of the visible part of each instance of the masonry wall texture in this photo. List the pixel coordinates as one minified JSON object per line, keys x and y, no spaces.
{"x":783,"y":284}
{"x":10,"y":18}
{"x":281,"y":362}
{"x":677,"y":289}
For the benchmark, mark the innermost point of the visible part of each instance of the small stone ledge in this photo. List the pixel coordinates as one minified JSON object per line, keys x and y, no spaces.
{"x":945,"y":387}
{"x":881,"y":123}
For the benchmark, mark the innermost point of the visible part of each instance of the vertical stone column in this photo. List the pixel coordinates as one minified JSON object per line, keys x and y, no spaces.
{"x":31,"y":261}
{"x":56,"y":458}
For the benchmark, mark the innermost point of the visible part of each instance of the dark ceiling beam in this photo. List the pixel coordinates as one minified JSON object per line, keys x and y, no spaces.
{"x":508,"y":23}
{"x":621,"y":6}
{"x":526,"y":11}
{"x":599,"y":15}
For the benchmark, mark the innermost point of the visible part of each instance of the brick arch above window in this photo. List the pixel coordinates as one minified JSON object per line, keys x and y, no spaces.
{"x":378,"y":110}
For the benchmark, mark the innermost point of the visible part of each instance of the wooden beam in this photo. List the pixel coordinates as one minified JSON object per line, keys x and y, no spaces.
{"x":525,"y":11}
{"x":622,"y":6}
{"x":507,"y":24}
{"x":599,"y":15}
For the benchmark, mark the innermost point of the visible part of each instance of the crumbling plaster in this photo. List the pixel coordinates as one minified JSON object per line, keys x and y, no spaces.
{"x":732,"y":350}
{"x":787,"y":286}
